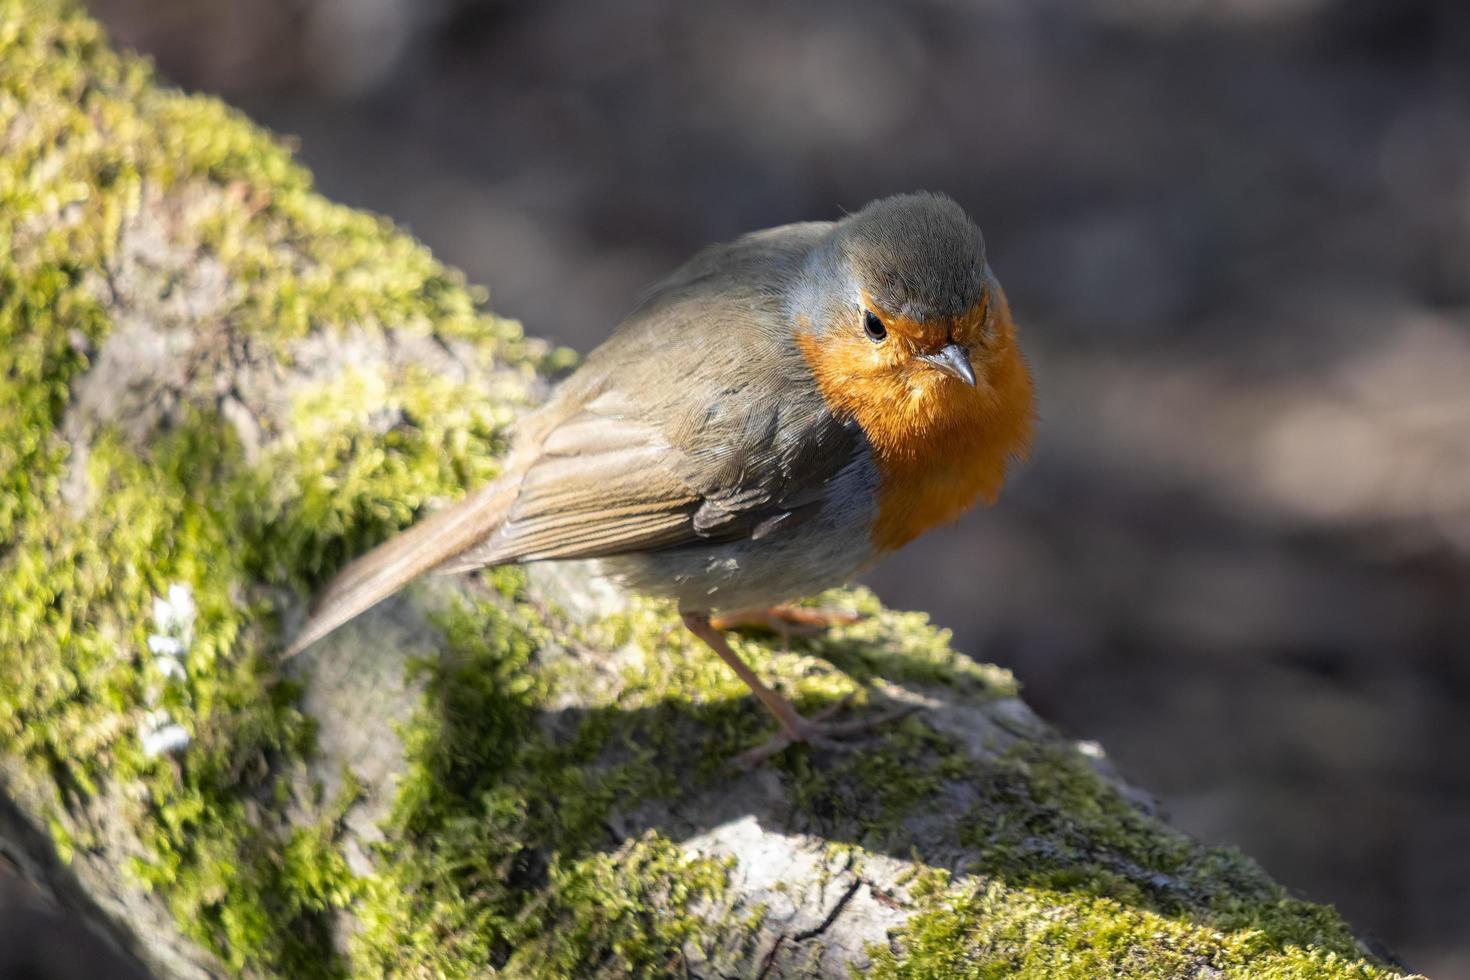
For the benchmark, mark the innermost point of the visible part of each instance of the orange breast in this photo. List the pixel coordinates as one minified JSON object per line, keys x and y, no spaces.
{"x":939,"y":444}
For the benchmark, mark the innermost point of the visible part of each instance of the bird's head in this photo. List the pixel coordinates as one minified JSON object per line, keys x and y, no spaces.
{"x":908,"y":333}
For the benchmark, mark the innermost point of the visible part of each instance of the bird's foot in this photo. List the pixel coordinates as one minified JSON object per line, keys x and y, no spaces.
{"x":820,"y":731}
{"x":785,"y":620}
{"x":817,"y":730}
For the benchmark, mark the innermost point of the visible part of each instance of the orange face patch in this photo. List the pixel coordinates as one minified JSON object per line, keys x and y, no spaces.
{"x":939,"y":444}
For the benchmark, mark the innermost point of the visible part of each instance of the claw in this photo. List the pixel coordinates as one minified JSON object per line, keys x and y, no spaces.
{"x":818,"y":732}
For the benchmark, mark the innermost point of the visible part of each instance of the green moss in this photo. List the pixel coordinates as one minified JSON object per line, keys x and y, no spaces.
{"x":1045,"y":819}
{"x":88,"y":139}
{"x":499,"y":854}
{"x":621,"y":914}
{"x":1073,"y":881}
{"x":995,"y":930}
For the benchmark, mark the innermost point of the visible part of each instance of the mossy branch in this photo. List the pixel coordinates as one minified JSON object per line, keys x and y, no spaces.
{"x":217,"y":388}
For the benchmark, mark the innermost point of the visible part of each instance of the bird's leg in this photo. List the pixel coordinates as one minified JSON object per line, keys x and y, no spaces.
{"x":785,"y":619}
{"x":786,"y":715}
{"x":816,"y":730}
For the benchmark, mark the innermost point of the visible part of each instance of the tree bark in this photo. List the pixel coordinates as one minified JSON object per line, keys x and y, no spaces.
{"x":219,"y":388}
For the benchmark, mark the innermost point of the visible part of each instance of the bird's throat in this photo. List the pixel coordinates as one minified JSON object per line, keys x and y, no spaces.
{"x":939,"y":444}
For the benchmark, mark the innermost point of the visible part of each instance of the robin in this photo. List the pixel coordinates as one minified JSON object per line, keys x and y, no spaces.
{"x":774,"y":418}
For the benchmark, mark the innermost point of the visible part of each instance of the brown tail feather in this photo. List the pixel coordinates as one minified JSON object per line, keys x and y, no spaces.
{"x":375,"y":576}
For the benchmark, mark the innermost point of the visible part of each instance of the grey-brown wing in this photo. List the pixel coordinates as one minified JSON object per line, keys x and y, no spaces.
{"x":599,"y":486}
{"x":603,"y":485}
{"x":697,"y":421}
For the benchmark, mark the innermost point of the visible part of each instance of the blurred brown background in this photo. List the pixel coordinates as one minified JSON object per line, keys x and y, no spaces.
{"x":1236,"y":234}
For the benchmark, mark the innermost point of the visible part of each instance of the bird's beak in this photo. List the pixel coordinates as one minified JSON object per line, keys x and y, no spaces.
{"x":954,"y":361}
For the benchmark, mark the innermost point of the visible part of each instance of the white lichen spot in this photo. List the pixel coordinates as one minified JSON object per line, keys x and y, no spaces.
{"x":166,"y":646}
{"x":169,"y":739}
{"x":173,"y":625}
{"x":171,"y":669}
{"x":174,"y":616}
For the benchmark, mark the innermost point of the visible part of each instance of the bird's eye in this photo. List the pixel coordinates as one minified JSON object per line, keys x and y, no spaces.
{"x":873,"y":327}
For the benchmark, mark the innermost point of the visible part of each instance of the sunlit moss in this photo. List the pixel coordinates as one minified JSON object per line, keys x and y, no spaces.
{"x":87,"y":136}
{"x":993,"y":930}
